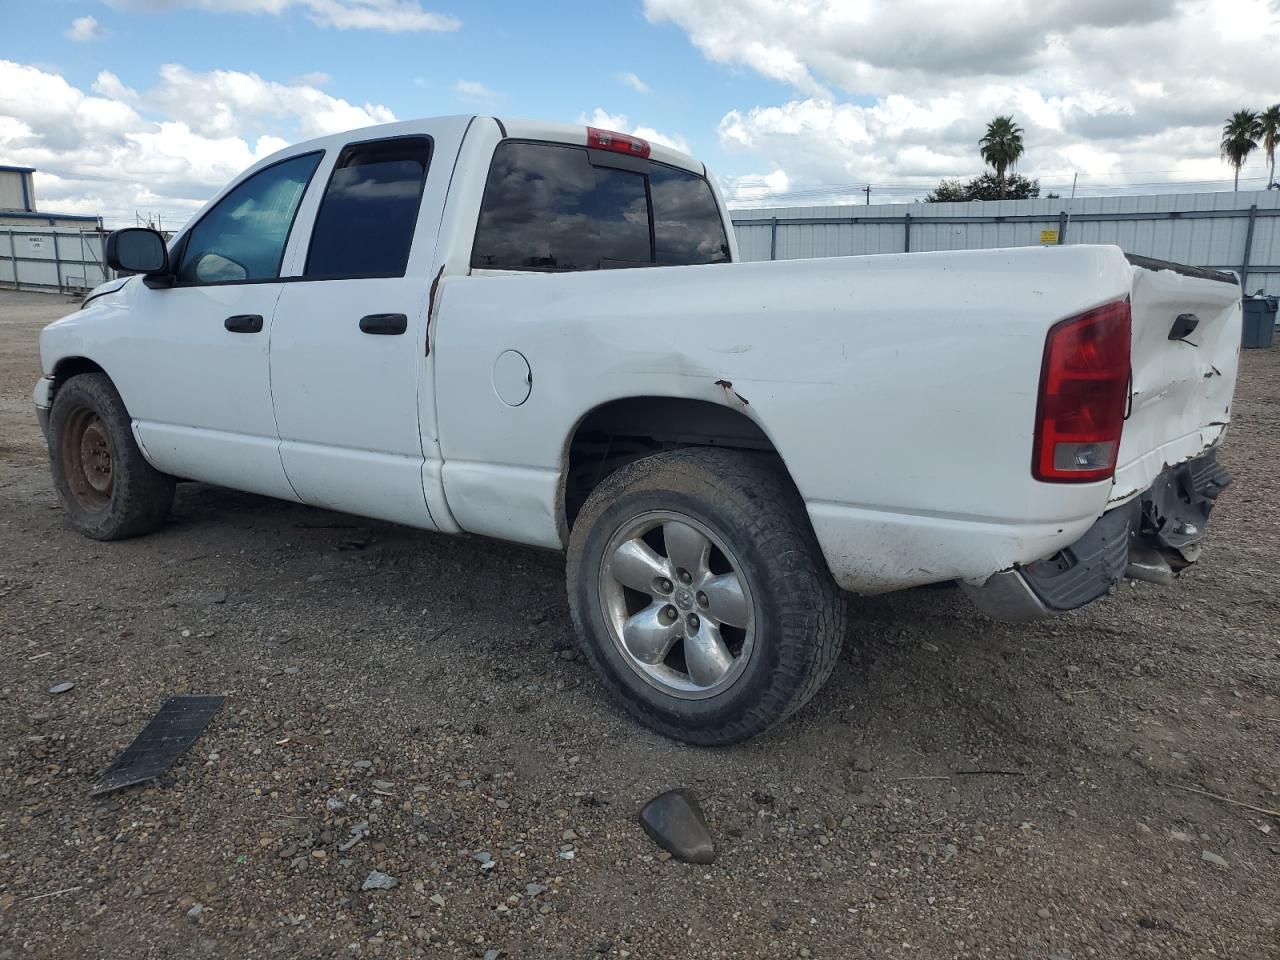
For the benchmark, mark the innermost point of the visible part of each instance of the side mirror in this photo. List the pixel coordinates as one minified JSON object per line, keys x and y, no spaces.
{"x":137,"y":250}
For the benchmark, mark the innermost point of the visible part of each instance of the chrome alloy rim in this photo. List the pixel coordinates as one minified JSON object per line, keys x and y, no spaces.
{"x":677,"y":605}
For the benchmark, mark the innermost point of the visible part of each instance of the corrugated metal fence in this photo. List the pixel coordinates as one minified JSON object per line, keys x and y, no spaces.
{"x":1224,"y":231}
{"x":52,"y":259}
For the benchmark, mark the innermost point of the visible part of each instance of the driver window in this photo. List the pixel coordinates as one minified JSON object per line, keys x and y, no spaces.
{"x":244,"y":235}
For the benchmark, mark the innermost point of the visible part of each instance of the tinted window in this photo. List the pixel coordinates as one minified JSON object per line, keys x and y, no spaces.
{"x":366,"y":219}
{"x":686,"y":221}
{"x":547,"y":208}
{"x":243,"y":236}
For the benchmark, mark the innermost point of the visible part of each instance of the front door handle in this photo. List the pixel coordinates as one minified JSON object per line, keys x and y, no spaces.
{"x":384,"y":324}
{"x":244,"y":323}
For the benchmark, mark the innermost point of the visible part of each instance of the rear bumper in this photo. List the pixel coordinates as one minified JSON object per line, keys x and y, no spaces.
{"x":1151,"y":537}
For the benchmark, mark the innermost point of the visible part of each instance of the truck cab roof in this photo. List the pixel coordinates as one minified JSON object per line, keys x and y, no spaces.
{"x":511,"y":127}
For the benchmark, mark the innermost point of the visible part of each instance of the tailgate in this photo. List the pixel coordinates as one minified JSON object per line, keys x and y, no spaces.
{"x":1180,"y":400}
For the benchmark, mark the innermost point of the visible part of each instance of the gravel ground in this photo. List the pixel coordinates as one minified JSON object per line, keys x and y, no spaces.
{"x":959,"y":789}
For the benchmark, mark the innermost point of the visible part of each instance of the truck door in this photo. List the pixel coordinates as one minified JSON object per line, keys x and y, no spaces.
{"x":203,"y":408}
{"x":348,"y":341}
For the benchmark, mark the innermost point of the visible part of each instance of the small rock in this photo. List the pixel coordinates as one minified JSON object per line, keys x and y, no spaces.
{"x":382,"y":784}
{"x":675,"y":822}
{"x":931,"y":647}
{"x":195,"y":911}
{"x":1217,"y":861}
{"x":62,"y":687}
{"x":568,"y":835}
{"x":491,"y":955}
{"x":378,"y":881}
{"x":1043,"y":913}
{"x":363,"y":764}
{"x":481,"y":856}
{"x":1106,"y":926}
{"x":436,"y":899}
{"x":534,"y":889}
{"x":861,"y":762}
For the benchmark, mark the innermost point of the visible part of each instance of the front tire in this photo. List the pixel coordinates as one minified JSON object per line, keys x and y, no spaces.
{"x":107,"y":488}
{"x":700,"y":594}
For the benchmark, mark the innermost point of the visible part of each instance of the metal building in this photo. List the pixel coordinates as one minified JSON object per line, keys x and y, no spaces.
{"x":1224,"y":231}
{"x":41,"y":250}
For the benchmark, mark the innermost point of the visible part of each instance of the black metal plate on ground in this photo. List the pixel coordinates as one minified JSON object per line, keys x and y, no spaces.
{"x":168,"y":736}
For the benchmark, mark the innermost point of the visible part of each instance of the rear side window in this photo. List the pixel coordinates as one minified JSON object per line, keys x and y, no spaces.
{"x":244,"y":235}
{"x":687,"y":227}
{"x":365,"y":224}
{"x":548,"y":207}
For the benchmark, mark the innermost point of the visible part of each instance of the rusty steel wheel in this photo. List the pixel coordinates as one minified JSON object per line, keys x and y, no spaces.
{"x":87,"y":459}
{"x":108,"y":489}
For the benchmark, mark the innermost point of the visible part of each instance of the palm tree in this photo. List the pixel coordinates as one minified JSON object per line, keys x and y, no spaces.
{"x":1002,"y":146}
{"x":1239,"y":137}
{"x":1270,"y":120}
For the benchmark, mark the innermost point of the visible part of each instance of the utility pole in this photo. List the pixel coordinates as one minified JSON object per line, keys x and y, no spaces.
{"x":867,"y":191}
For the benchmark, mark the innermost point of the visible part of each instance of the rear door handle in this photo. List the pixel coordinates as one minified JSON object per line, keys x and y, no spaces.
{"x":244,"y":323}
{"x":384,"y":324}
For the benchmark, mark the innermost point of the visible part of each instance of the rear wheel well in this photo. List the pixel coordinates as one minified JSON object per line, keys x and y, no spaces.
{"x":621,"y":431}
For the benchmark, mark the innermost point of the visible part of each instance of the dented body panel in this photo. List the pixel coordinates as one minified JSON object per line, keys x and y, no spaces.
{"x":1180,"y":399}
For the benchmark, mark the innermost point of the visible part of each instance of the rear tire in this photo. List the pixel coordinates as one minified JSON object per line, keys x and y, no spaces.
{"x":700,"y":594}
{"x":107,"y":488}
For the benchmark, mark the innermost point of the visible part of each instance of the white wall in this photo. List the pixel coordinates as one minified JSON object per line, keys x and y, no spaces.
{"x":11,"y":191}
{"x":1216,"y":241}
{"x":52,"y":258}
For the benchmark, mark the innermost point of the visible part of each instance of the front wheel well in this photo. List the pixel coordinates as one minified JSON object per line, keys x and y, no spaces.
{"x":621,"y":431}
{"x":69,"y":367}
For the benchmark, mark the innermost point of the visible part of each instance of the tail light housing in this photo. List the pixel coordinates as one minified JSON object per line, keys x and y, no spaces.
{"x":599,"y":139}
{"x":1084,"y":390}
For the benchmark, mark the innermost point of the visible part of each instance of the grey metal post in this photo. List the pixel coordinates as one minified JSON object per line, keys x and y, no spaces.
{"x":57,"y":258}
{"x":13,"y":257}
{"x":1248,"y":250}
{"x":1062,"y":227}
{"x":906,"y":233}
{"x":773,"y":238}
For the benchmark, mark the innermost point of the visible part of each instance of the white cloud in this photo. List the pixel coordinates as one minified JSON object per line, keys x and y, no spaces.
{"x":85,"y":29}
{"x":635,"y":83}
{"x":165,"y":149}
{"x":615,"y":121}
{"x":1124,"y":91}
{"x":109,"y":86}
{"x":392,"y":16}
{"x":475,"y":91}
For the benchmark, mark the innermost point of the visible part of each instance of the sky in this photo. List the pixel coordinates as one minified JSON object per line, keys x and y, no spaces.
{"x":149,"y":106}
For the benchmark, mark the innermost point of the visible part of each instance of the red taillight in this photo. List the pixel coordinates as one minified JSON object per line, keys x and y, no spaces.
{"x":1084,"y":389}
{"x":617,"y":142}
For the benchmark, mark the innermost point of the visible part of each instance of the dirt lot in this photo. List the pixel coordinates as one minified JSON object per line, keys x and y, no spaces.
{"x":960,"y":789}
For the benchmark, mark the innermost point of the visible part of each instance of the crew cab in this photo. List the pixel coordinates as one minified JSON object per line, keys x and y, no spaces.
{"x":541,"y":333}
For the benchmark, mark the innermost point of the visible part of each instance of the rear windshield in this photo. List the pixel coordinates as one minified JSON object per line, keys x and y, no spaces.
{"x":548,"y":207}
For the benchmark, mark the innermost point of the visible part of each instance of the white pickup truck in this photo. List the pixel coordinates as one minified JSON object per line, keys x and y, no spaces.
{"x":540,"y":333}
